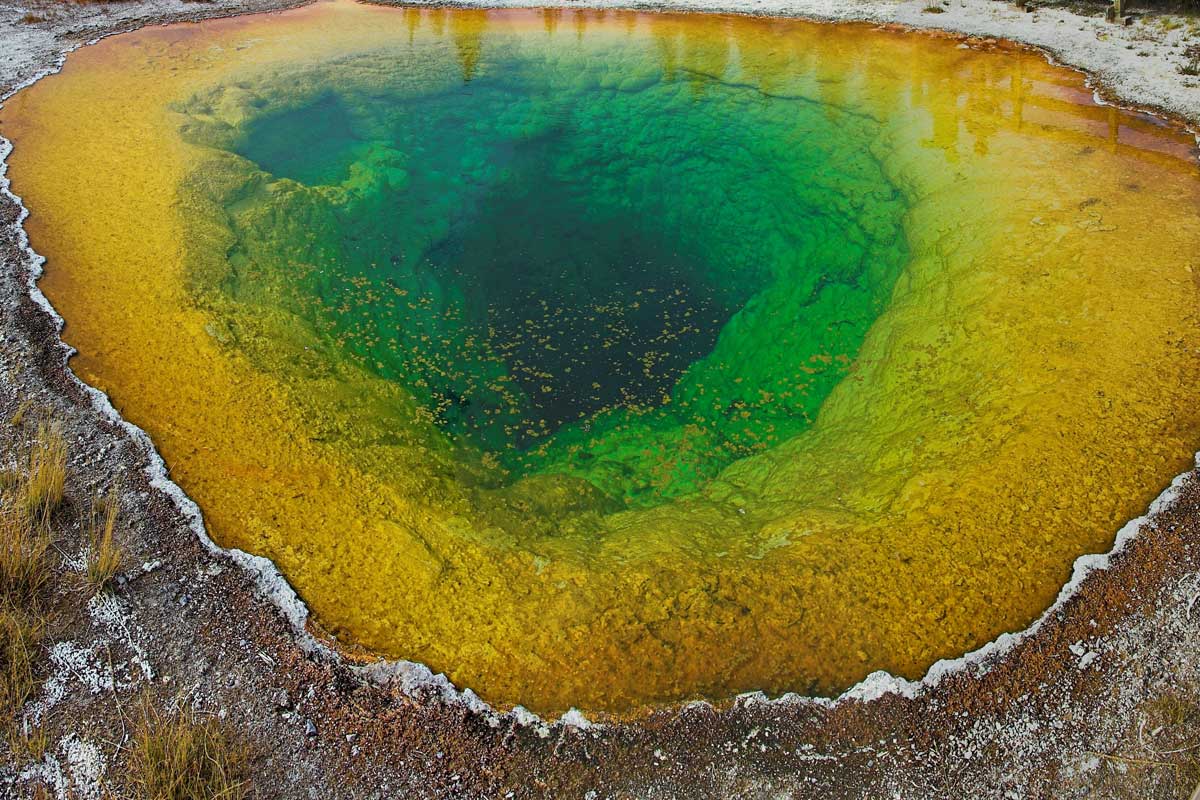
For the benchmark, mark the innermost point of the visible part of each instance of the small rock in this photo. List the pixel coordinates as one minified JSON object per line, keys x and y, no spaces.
{"x":281,"y":699}
{"x":310,"y":729}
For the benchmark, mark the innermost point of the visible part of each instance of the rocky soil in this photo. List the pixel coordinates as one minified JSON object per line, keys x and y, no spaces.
{"x":1102,"y":699}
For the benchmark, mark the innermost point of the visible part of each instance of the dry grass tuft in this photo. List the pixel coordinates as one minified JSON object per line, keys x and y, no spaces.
{"x":24,"y":567}
{"x":178,"y":757}
{"x":29,"y":745}
{"x":47,"y":475}
{"x":23,"y":409}
{"x":104,"y":554}
{"x":1191,"y":64}
{"x":25,"y":571}
{"x":20,"y":633}
{"x":27,"y":502}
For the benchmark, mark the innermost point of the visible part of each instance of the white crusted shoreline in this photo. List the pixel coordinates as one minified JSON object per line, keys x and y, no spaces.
{"x":1137,"y":71}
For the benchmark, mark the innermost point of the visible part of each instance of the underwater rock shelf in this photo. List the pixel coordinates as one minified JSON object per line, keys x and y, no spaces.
{"x":607,"y":359}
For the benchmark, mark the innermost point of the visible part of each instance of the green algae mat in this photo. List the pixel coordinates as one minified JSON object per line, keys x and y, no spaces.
{"x":606,"y":359}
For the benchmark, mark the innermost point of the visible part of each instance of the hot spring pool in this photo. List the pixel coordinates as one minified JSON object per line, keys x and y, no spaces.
{"x":607,"y":359}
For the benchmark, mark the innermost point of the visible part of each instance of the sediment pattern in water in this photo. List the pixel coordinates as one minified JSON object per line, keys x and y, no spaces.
{"x":612,"y":359}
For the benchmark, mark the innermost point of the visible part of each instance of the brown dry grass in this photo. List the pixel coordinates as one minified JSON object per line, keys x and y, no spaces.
{"x":176,"y":756}
{"x":19,"y":416}
{"x":104,"y":554}
{"x":1191,"y":65}
{"x":30,"y":743}
{"x":24,"y":565}
{"x":26,"y":505}
{"x":20,"y":633}
{"x":1159,"y":755}
{"x":46,"y":476}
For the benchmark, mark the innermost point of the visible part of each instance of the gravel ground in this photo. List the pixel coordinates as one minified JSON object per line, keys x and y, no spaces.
{"x":1100,"y":699}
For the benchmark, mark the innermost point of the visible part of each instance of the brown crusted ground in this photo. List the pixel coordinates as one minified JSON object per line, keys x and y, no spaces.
{"x":1034,"y":725}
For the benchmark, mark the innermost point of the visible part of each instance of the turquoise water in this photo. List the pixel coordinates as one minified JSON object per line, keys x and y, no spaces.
{"x":607,"y":268}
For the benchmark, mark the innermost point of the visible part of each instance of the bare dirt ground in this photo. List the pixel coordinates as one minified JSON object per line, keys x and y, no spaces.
{"x":1103,"y":700}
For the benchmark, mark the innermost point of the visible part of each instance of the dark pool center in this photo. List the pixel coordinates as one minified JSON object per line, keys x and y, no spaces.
{"x":632,"y":276}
